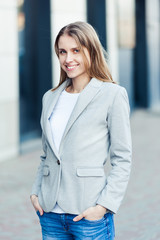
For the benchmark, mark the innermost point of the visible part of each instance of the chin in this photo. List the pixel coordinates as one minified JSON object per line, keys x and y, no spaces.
{"x":72,"y":75}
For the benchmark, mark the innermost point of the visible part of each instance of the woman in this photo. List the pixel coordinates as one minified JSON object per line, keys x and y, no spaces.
{"x":83,"y":119}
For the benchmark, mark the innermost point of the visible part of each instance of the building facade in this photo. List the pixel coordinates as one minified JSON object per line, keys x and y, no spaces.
{"x":128,"y":29}
{"x":9,"y":83}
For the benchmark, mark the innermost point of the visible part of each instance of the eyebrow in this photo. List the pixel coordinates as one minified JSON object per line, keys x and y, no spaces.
{"x":71,"y":48}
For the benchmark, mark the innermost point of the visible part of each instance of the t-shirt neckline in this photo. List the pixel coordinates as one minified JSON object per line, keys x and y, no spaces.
{"x":70,"y":93}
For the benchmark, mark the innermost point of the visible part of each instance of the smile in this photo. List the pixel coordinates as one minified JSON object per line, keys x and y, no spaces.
{"x":71,"y":67}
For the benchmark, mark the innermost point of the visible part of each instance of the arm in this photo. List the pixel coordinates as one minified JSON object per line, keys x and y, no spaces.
{"x":120,"y":153}
{"x":37,"y":183}
{"x":120,"y":157}
{"x":38,"y":179}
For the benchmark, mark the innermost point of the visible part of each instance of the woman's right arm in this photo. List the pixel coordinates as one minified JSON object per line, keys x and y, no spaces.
{"x":38,"y":179}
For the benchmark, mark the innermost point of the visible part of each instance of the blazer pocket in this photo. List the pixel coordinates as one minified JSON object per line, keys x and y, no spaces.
{"x":46,"y":171}
{"x":90,"y":172}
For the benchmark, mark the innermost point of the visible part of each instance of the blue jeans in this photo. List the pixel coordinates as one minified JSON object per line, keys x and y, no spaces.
{"x":61,"y":226}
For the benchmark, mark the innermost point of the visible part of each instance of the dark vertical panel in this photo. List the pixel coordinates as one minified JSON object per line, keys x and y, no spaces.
{"x":96,"y":16}
{"x":141,"y":76}
{"x":28,"y":92}
{"x":35,"y":66}
{"x":44,"y":73}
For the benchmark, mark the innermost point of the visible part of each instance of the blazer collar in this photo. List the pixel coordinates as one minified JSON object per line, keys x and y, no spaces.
{"x":85,"y":97}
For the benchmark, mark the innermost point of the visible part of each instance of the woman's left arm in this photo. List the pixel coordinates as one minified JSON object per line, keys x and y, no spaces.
{"x":120,"y":158}
{"x":120,"y":152}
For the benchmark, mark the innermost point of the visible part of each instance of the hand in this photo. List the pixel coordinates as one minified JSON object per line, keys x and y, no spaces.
{"x":36,"y":205}
{"x":92,"y":213}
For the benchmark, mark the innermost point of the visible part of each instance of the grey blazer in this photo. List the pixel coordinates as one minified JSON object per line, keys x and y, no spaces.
{"x":99,"y":125}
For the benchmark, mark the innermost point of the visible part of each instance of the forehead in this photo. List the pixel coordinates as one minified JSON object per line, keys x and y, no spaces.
{"x":66,"y":41}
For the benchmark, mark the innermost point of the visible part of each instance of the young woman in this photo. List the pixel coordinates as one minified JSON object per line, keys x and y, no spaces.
{"x":84,"y":119}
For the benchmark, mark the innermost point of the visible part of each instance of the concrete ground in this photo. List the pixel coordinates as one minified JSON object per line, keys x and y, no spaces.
{"x":139,"y":215}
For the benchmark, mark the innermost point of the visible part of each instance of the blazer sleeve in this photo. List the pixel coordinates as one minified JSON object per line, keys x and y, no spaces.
{"x":120,"y":152}
{"x":38,"y":179}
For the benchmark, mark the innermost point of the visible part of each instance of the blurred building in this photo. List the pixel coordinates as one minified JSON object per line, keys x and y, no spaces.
{"x":128,"y":29}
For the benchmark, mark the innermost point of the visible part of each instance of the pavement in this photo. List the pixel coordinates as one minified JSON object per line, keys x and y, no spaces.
{"x":139,"y":215}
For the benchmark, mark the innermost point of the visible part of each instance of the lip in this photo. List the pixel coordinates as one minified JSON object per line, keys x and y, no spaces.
{"x":71,"y":67}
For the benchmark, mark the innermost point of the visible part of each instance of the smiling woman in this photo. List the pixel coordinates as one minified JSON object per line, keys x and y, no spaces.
{"x":72,"y":60}
{"x":85,"y":118}
{"x":85,"y":42}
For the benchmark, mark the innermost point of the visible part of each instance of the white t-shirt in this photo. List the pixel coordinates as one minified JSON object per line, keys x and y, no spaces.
{"x":58,"y":122}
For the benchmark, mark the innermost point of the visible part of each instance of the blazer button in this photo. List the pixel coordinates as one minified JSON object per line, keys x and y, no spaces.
{"x":58,"y":162}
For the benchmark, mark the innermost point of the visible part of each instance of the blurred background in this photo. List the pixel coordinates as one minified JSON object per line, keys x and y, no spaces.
{"x":130,"y":32}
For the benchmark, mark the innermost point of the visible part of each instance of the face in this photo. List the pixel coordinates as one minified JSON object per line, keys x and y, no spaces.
{"x":71,"y":58}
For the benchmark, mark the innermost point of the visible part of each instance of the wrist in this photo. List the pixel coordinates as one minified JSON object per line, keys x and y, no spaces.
{"x":33,"y":196}
{"x":101,"y":208}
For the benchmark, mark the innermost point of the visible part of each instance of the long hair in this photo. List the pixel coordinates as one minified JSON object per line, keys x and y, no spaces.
{"x":85,"y":36}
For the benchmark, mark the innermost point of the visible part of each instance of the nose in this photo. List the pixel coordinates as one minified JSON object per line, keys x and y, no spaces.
{"x":69,"y":58}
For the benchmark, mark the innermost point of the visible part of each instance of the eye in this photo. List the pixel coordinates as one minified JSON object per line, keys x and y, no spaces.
{"x":76,"y":50}
{"x":62,"y":51}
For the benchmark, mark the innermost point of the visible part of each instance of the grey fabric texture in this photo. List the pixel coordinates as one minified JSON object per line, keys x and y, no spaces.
{"x":99,"y":126}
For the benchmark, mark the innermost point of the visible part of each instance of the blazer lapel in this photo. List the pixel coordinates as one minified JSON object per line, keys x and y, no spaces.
{"x":48,"y":112}
{"x":84,"y":99}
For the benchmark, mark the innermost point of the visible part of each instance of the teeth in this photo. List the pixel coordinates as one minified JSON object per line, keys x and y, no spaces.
{"x":70,"y":67}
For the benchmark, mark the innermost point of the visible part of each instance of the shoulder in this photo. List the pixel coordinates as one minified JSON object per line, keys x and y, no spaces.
{"x":47,"y":95}
{"x":113,"y":89}
{"x":117,"y":95}
{"x":112,"y":86}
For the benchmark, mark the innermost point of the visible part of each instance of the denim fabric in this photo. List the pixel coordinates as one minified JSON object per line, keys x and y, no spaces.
{"x":61,"y":226}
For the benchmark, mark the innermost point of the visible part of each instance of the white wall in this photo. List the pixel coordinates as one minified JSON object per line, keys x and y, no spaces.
{"x":64,"y":12}
{"x":9,"y":132}
{"x":112,"y":37}
{"x":153,"y":51}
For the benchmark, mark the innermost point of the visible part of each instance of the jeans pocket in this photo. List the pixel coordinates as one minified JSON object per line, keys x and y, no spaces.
{"x":94,"y":221}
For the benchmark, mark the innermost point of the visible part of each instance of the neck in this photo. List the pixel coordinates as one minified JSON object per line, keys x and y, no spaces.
{"x":78,"y":85}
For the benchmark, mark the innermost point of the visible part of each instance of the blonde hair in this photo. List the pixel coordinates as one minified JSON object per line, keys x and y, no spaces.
{"x":85,"y":36}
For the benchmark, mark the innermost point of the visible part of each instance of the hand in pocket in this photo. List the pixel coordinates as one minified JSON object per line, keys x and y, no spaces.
{"x":36,"y":205}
